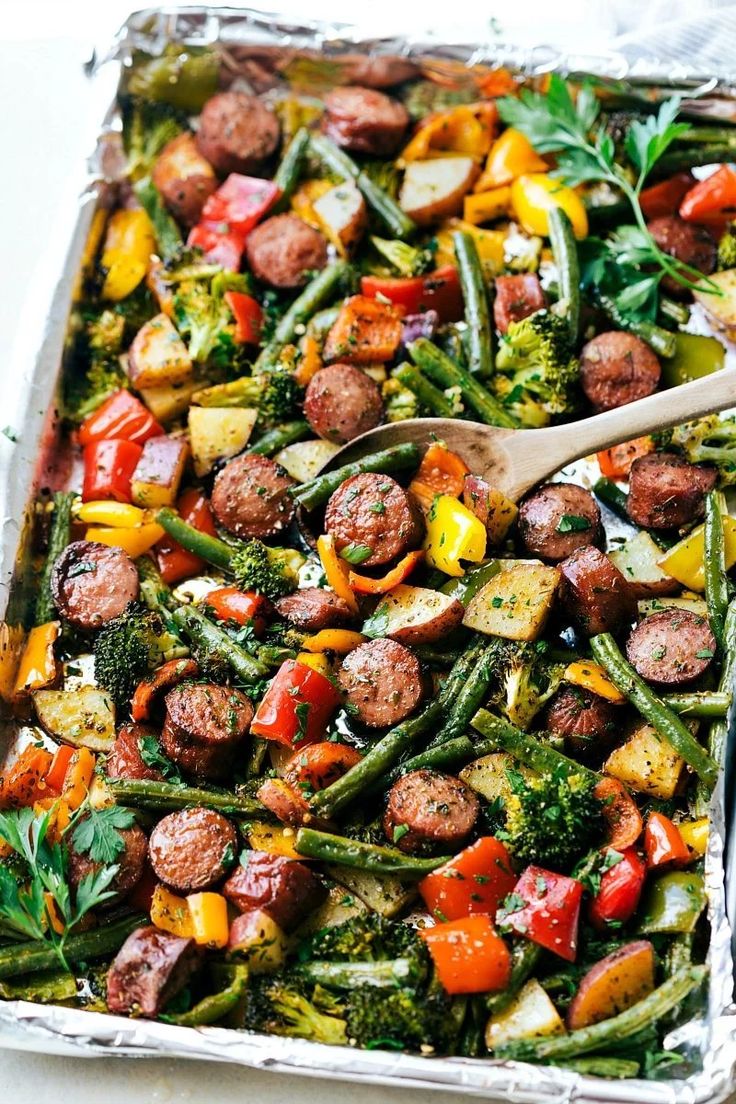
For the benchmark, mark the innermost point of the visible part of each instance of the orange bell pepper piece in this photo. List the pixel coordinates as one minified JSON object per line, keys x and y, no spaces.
{"x":511,"y":155}
{"x":468,"y":129}
{"x":38,"y":666}
{"x":23,"y":782}
{"x":56,"y":773}
{"x":336,"y":571}
{"x":663,"y":844}
{"x":311,"y":361}
{"x":340,"y":641}
{"x":366,"y":332}
{"x":52,"y":913}
{"x":208,"y":912}
{"x":615,"y":463}
{"x":171,"y":913}
{"x":78,"y":777}
{"x":499,"y":82}
{"x":441,"y":472}
{"x":468,"y":955}
{"x":364,"y":584}
{"x":319,"y":765}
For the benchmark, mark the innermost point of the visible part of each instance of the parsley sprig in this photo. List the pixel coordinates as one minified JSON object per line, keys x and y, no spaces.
{"x":556,"y":123}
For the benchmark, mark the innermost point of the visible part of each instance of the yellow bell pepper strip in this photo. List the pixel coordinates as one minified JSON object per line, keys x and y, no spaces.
{"x":454,"y":533}
{"x":336,"y":571}
{"x":695,"y":835}
{"x":364,"y":584}
{"x":272,"y":839}
{"x":208,"y":913}
{"x":489,"y":243}
{"x":511,"y":155}
{"x":118,"y":515}
{"x":466,"y":129}
{"x":685,"y":560}
{"x":340,"y":641}
{"x":92,"y":244}
{"x":126,"y":254}
{"x":171,"y":913}
{"x":318,"y":661}
{"x":38,"y":666}
{"x":78,"y":777}
{"x":487,"y":206}
{"x":533,"y":195}
{"x":593,"y":677}
{"x":136,"y":542}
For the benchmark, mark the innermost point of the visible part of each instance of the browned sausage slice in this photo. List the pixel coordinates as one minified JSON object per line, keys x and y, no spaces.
{"x":312,"y":609}
{"x":383,"y":682}
{"x":124,"y":760}
{"x":671,"y":647}
{"x":130,"y":862}
{"x":429,"y":811}
{"x":666,"y":492}
{"x":365,"y":121}
{"x":516,"y":298}
{"x":184,"y":178}
{"x":371,"y":512}
{"x":378,"y":72}
{"x":204,"y":728}
{"x":250,"y":497}
{"x":284,"y":888}
{"x":284,"y":250}
{"x":341,"y":402}
{"x":192,"y":849}
{"x":595,"y":593}
{"x":589,"y":724}
{"x":557,"y":519}
{"x":237,"y":133}
{"x":92,"y":583}
{"x":150,"y":968}
{"x":617,"y":368}
{"x":687,"y":242}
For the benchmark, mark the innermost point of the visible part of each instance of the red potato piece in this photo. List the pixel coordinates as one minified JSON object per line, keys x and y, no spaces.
{"x":557,"y":519}
{"x":150,"y":968}
{"x":341,"y":402}
{"x":429,"y":812}
{"x":284,"y":251}
{"x":237,"y":133}
{"x":205,"y":728}
{"x":184,"y":178}
{"x":671,"y":648}
{"x":373,"y":511}
{"x":667,"y":492}
{"x":192,"y":849}
{"x":92,"y":583}
{"x":617,"y":368}
{"x":589,"y":724}
{"x":516,"y":298}
{"x":159,"y":472}
{"x":250,"y":497}
{"x":382,"y":681}
{"x":595,"y":593}
{"x":614,"y":984}
{"x":417,"y":615}
{"x":158,"y":357}
{"x":433,"y":190}
{"x":284,"y":888}
{"x":364,"y":121}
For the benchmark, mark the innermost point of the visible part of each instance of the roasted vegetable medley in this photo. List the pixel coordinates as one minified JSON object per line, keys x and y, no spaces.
{"x":376,"y":756}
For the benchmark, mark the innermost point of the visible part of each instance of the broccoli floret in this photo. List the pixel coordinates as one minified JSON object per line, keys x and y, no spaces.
{"x":272,"y":572}
{"x":399,"y":401}
{"x":727,"y":248}
{"x":277,"y":1005}
{"x":551,"y":819}
{"x":205,"y":318}
{"x":538,"y":377}
{"x":407,"y":260}
{"x":366,"y":938}
{"x":710,"y":440}
{"x":130,"y":646}
{"x":527,"y":680}
{"x":147,"y":128}
{"x":400,"y":1019}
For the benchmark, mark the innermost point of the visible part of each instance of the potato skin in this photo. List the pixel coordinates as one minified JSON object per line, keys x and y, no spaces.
{"x":614,"y":984}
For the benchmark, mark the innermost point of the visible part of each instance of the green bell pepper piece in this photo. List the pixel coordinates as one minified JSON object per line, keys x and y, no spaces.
{"x":467,"y":586}
{"x":673,"y":903}
{"x":695,"y":356}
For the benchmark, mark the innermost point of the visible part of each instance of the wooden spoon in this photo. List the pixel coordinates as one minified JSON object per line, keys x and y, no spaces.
{"x":515,"y":460}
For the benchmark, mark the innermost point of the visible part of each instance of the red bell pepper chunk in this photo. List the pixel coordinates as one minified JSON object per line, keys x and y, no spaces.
{"x":240,"y":606}
{"x":296,"y":707}
{"x":439,"y":290}
{"x":248,"y":317}
{"x":620,"y":889}
{"x":549,"y":910}
{"x":474,"y":882}
{"x":108,"y":470}
{"x":55,"y":775}
{"x":664,"y":198}
{"x":218,"y":246}
{"x":468,"y":955}
{"x":663,"y":844}
{"x":174,"y":562}
{"x":239,"y":204}
{"x":122,"y":416}
{"x":712,"y":199}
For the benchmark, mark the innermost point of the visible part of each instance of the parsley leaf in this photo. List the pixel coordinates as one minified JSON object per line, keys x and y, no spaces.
{"x":356,"y":553}
{"x":153,"y":757}
{"x":97,"y":835}
{"x":572,"y":523}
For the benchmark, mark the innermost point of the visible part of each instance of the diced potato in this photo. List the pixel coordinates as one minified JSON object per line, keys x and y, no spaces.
{"x":99,"y":795}
{"x":434,"y":189}
{"x":169,"y":401}
{"x":646,"y":763}
{"x":260,"y":942}
{"x":159,"y":472}
{"x":340,"y":905}
{"x":487,"y":775}
{"x":721,"y":308}
{"x":158,"y":355}
{"x":303,"y":459}
{"x":82,"y":718}
{"x":530,"y":1015}
{"x":619,"y":980}
{"x":342,"y":215}
{"x":638,"y":562}
{"x":388,"y":896}
{"x":655,"y":605}
{"x":414,"y":615}
{"x":218,"y":432}
{"x":516,"y":603}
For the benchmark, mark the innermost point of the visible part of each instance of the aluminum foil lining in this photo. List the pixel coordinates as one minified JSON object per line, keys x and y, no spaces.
{"x":257,"y":48}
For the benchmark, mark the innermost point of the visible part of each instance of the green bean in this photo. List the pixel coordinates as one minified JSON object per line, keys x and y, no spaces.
{"x":318,"y":490}
{"x":430,"y":396}
{"x":528,"y":750}
{"x":612,"y":496}
{"x":692,"y":157}
{"x":662,"y":341}
{"x":565,"y":250}
{"x":208,"y":548}
{"x":471,"y":695}
{"x":48,"y":987}
{"x":362,"y":856}
{"x":315,"y":294}
{"x":446,"y":754}
{"x":216,"y":643}
{"x":380,"y":202}
{"x":676,"y":312}
{"x":703,"y":703}
{"x":322,"y":322}
{"x":445,"y":373}
{"x":38,"y":954}
{"x":714,"y":561}
{"x":216,"y":1006}
{"x":667,"y":997}
{"x":287,"y":174}
{"x":143,"y":793}
{"x":602,"y":1065}
{"x":475,"y":297}
{"x":59,"y":537}
{"x":718,"y":731}
{"x":524,"y":958}
{"x":652,"y":708}
{"x":273,"y":440}
{"x":165,"y":228}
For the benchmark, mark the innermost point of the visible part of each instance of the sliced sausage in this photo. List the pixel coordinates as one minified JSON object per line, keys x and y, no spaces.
{"x":130,"y":863}
{"x":373,"y":511}
{"x":378,"y":72}
{"x":92,"y":583}
{"x":184,"y":178}
{"x":516,"y":297}
{"x":666,"y":492}
{"x":686,"y":242}
{"x":364,"y":121}
{"x":237,"y":133}
{"x":204,"y":728}
{"x":284,"y":251}
{"x":429,"y":811}
{"x":284,"y":888}
{"x":250,"y":497}
{"x":192,"y":849}
{"x":313,"y":608}
{"x":124,"y":760}
{"x":617,"y":368}
{"x":589,"y":724}
{"x":289,"y":805}
{"x":557,"y":519}
{"x":150,"y":968}
{"x":382,"y":681}
{"x":671,"y":647}
{"x":341,"y":402}
{"x":595,"y":593}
